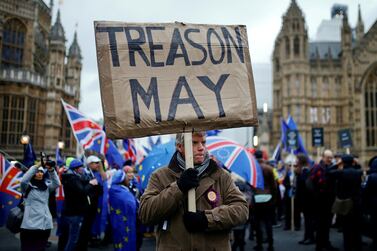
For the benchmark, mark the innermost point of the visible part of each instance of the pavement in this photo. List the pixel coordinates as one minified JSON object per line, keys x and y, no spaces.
{"x":283,"y":241}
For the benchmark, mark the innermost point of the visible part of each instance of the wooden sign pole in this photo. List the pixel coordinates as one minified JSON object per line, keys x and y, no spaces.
{"x":190,"y":164}
{"x":292,"y":198}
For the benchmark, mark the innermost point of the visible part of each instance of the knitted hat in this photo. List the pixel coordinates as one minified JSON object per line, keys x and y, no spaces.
{"x":75,"y":163}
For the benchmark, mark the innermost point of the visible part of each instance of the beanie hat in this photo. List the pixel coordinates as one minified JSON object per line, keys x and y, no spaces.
{"x":347,"y":159}
{"x":75,"y":163}
{"x":68,"y":161}
{"x":258,"y":154}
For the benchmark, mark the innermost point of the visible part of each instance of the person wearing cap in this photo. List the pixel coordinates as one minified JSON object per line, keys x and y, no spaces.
{"x":93,"y":170}
{"x":76,"y":203}
{"x":220,"y":205}
{"x":37,"y":221}
{"x":347,"y":178}
{"x":265,"y":200}
{"x":370,"y":197}
{"x":123,"y":211}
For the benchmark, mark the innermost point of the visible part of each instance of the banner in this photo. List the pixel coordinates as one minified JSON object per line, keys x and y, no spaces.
{"x":167,"y":78}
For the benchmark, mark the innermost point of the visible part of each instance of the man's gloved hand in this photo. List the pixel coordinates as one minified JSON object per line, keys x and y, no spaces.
{"x":189,"y":179}
{"x":195,"y":222}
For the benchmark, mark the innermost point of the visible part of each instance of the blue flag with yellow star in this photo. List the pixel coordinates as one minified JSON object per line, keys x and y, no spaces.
{"x":122,"y":215}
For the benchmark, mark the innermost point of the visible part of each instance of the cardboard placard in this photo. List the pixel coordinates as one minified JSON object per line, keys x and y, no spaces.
{"x":159,"y":78}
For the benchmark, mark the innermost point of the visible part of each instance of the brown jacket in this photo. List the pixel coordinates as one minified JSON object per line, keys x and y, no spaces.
{"x":270,"y":186}
{"x":163,"y":201}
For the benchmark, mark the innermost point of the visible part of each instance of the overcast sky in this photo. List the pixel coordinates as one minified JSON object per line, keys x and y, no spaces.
{"x":262,"y":18}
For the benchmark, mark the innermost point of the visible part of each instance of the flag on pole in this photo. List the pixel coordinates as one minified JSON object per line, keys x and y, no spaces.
{"x":29,"y":156}
{"x":130,"y":150}
{"x":58,"y":157}
{"x":292,"y":126}
{"x":10,"y":188}
{"x":87,"y":133}
{"x":91,"y":136}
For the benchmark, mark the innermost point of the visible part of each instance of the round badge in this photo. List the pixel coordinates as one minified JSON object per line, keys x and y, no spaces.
{"x":212,"y":196}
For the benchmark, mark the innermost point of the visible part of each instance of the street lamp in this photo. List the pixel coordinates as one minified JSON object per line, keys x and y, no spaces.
{"x":265,"y":107}
{"x":25,"y":139}
{"x":255,"y":140}
{"x":61,"y":145}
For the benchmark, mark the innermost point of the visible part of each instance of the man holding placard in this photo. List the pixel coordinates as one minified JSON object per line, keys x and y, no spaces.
{"x":220,"y":205}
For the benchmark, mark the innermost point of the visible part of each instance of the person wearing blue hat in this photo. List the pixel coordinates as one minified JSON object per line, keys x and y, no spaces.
{"x":370,"y":197}
{"x":76,"y":189}
{"x":122,"y":212}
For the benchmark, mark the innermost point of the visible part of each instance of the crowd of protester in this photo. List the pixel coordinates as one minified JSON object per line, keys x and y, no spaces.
{"x":334,"y":192}
{"x":101,"y":206}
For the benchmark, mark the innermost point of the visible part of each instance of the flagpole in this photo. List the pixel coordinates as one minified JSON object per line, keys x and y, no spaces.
{"x":189,"y":164}
{"x":292,"y":198}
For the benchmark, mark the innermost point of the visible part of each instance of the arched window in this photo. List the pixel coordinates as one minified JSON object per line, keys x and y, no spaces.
{"x":14,"y":34}
{"x":296,"y":46}
{"x":287,"y":47}
{"x":370,"y":101}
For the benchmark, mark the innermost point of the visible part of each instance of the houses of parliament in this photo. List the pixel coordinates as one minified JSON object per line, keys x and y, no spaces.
{"x":37,"y":70}
{"x":329,"y":81}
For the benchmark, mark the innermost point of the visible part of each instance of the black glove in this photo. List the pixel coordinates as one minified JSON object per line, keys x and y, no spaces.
{"x":195,"y":222}
{"x":189,"y":179}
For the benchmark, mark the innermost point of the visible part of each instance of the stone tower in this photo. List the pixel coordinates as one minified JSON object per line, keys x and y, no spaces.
{"x":73,"y":68}
{"x":290,"y":69}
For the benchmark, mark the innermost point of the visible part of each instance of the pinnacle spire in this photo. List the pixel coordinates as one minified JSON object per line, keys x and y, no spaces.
{"x":57,"y":30}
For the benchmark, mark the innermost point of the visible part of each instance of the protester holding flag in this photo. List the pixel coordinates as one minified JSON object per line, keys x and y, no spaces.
{"x":37,"y":221}
{"x":221,"y":206}
{"x":123,"y":211}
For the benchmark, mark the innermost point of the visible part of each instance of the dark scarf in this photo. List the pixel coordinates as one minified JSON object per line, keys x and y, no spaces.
{"x":39,"y":184}
{"x":201,"y":167}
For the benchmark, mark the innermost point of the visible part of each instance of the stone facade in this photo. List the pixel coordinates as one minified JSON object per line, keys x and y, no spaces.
{"x":36,"y":72}
{"x":324,"y":83}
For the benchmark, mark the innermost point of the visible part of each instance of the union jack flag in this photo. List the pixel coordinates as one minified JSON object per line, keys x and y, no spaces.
{"x":91,"y":136}
{"x":237,"y":159}
{"x":88,"y":133}
{"x":130,"y":150}
{"x":10,"y":188}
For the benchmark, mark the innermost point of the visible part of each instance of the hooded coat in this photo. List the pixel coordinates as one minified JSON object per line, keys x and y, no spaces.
{"x":122,"y":214}
{"x":37,"y":215}
{"x":163,"y":203}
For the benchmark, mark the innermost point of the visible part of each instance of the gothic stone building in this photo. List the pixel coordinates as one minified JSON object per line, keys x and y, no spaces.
{"x":36,"y":72}
{"x":329,"y":83}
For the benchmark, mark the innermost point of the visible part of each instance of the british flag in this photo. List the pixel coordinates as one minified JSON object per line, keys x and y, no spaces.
{"x":130,"y":150}
{"x":10,"y":188}
{"x":88,"y":133}
{"x":91,"y":136}
{"x":237,"y":159}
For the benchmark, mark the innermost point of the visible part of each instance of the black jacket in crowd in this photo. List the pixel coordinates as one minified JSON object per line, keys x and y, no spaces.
{"x":348,"y":182}
{"x":76,"y":191}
